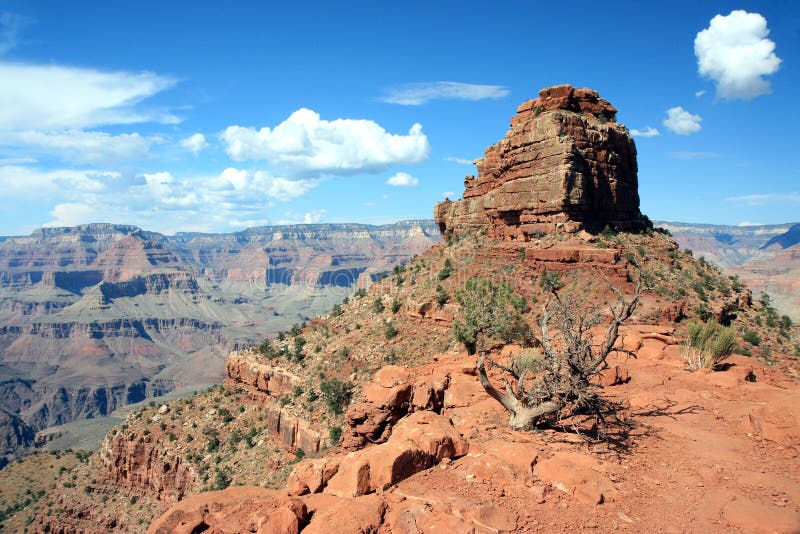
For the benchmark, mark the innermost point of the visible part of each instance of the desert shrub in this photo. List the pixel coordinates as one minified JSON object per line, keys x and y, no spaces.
{"x":708,"y":344}
{"x":751,"y":337}
{"x":378,"y":306}
{"x":334,"y":434}
{"x":442,"y":297}
{"x":389,"y":330}
{"x":447,"y":270}
{"x":489,"y":309}
{"x":337,"y":310}
{"x":528,"y":360}
{"x":396,"y":304}
{"x":336,"y":394}
{"x":360,"y":292}
{"x":297,"y":391}
{"x":550,"y":281}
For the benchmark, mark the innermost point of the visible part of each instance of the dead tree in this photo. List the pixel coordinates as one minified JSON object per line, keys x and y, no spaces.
{"x":571,"y":360}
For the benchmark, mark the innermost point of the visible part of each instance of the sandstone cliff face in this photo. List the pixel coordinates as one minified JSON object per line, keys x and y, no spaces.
{"x":144,"y":463}
{"x":565,"y":164}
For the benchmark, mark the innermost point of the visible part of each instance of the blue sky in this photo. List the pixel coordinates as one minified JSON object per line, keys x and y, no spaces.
{"x":183,"y":116}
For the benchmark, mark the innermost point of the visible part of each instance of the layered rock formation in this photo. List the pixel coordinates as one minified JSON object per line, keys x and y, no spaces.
{"x":565,"y":164}
{"x":98,"y":316}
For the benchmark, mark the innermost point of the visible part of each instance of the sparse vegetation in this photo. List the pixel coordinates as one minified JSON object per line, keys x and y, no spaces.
{"x":336,"y":394}
{"x":489,"y":309}
{"x":565,"y":385}
{"x":708,"y":344}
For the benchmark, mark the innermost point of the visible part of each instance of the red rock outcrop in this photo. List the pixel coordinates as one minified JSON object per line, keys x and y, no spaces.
{"x":145,"y":463}
{"x":565,"y":164}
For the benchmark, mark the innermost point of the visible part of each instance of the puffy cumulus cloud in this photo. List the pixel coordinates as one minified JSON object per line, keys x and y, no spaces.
{"x":416,"y":94}
{"x":80,"y":146}
{"x":402,"y":179}
{"x":195,"y":143}
{"x":682,"y":122}
{"x":305,"y":144}
{"x":159,"y":201}
{"x":311,"y":217}
{"x":53,"y":97}
{"x":71,"y":214}
{"x":648,"y":131}
{"x":734,"y":52}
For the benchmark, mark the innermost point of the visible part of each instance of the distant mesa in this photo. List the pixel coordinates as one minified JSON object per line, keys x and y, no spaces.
{"x":565,"y":165}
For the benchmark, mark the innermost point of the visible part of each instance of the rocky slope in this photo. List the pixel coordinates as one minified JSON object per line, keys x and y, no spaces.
{"x":765,"y":258}
{"x":372,"y":418}
{"x":98,"y":316}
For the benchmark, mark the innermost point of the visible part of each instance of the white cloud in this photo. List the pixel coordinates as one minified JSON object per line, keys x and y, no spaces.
{"x":415,"y":94}
{"x":648,"y":131}
{"x":448,"y":194}
{"x":159,"y":201}
{"x":11,"y":25}
{"x":85,"y":147}
{"x":53,"y":97}
{"x":700,"y":93}
{"x":17,"y":182}
{"x":311,"y":217}
{"x":734,"y":52}
{"x":765,"y":199}
{"x":682,"y":122}
{"x":71,"y":214}
{"x":194,"y":143}
{"x":402,"y":179}
{"x":314,"y":216}
{"x":460,"y":161}
{"x":748,"y":223}
{"x":305,"y":144}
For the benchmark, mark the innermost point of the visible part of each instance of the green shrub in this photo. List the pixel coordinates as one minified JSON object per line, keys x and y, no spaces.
{"x":389,"y":330}
{"x":550,"y":281}
{"x":751,"y":337}
{"x":442,"y":297}
{"x":708,"y":344}
{"x":447,"y":270}
{"x":336,"y":394}
{"x":334,"y":434}
{"x":530,"y":360}
{"x":378,"y":306}
{"x":396,"y":304}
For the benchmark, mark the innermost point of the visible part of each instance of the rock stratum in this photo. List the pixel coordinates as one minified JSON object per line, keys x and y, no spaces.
{"x":99,"y":316}
{"x":564,"y":164}
{"x":372,"y":418}
{"x":765,"y":258}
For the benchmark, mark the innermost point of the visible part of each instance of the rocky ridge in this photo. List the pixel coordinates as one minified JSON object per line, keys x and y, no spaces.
{"x":411,"y":442}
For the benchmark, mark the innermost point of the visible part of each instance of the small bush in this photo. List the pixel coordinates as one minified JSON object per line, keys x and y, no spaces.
{"x":442,"y":297}
{"x":360,"y":292}
{"x":336,"y":394}
{"x":550,"y":281}
{"x":751,"y":337}
{"x":389,"y":331}
{"x":530,"y":360}
{"x":334,"y":434}
{"x":396,"y":304}
{"x":708,"y":344}
{"x":447,"y":270}
{"x":378,"y":306}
